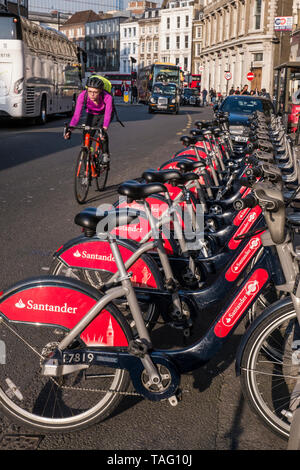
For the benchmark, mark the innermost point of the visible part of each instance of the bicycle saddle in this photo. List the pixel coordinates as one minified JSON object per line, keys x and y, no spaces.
{"x":169,"y":176}
{"x":189,"y":165}
{"x":91,"y":216}
{"x":137,"y":191}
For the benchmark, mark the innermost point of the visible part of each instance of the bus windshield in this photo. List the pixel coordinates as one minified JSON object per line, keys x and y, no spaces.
{"x":166,"y":74}
{"x":8,"y":29}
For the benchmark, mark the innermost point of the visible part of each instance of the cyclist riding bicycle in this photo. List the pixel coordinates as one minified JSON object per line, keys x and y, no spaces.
{"x":99,"y":106}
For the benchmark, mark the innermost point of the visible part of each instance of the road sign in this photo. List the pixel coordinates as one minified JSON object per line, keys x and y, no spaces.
{"x":283,"y":23}
{"x":250,"y":76}
{"x":227,"y":75}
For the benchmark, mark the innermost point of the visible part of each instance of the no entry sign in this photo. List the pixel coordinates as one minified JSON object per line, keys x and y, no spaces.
{"x":227,"y":75}
{"x":250,"y":76}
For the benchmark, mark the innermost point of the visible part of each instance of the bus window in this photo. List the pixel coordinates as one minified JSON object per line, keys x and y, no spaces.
{"x":8,"y":28}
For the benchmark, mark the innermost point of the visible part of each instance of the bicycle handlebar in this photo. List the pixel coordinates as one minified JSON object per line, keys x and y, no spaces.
{"x":83,"y":127}
{"x":249,"y":201}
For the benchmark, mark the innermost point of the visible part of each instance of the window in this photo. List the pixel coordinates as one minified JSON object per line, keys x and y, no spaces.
{"x":149,"y":47}
{"x":168,"y":23}
{"x":178,"y":21}
{"x":155,"y":46}
{"x":198,"y":49}
{"x":185,"y":63}
{"x":257,"y":14}
{"x":186,"y":42}
{"x":187,"y":21}
{"x":199,"y":32}
{"x":178,"y":42}
{"x":167,"y":42}
{"x":125,"y":32}
{"x":258,"y":57}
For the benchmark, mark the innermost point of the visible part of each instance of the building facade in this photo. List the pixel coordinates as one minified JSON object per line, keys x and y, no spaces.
{"x":239,"y":37}
{"x":102,"y":43}
{"x":73,"y":6}
{"x":149,"y":37}
{"x":176,"y":33}
{"x":74,"y":27}
{"x":129,"y":44}
{"x":20,"y":7}
{"x":197,"y":38}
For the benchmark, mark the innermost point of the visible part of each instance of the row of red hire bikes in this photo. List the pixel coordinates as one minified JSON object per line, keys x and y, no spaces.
{"x":200,"y":246}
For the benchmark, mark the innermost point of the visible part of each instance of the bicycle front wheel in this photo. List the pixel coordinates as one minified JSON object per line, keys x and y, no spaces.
{"x":82,"y":176}
{"x":52,"y":404}
{"x":269,"y":368}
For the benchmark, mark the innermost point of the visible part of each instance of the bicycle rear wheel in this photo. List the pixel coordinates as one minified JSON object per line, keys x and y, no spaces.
{"x":53,"y":404}
{"x":102,"y":171}
{"x":82,"y":176}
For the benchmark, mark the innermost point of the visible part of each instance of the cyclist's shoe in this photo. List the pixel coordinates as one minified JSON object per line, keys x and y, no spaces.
{"x":106,"y":160}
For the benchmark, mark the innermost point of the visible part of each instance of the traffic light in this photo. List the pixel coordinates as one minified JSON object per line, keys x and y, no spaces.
{"x":133,"y":75}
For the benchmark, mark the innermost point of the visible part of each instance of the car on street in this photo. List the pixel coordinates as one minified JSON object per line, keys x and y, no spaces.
{"x":164,"y":97}
{"x":190,"y":96}
{"x":239,"y":109}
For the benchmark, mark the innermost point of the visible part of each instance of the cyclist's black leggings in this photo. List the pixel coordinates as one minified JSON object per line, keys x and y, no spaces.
{"x":96,"y":120}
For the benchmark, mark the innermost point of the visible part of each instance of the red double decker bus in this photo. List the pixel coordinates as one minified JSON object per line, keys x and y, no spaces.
{"x":195,"y":81}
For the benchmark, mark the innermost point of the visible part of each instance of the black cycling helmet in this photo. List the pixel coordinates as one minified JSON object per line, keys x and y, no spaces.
{"x":95,"y":82}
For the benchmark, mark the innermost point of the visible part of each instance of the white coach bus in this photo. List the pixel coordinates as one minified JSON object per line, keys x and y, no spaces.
{"x":40,"y":70}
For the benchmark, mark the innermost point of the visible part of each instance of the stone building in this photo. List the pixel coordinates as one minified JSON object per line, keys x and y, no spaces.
{"x":239,"y":37}
{"x":74,"y":27}
{"x":129,"y":45}
{"x":176,"y":33}
{"x":149,"y":37}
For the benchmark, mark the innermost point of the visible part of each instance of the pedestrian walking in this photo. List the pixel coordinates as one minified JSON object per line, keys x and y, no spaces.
{"x":237,"y":91}
{"x":204,"y":96}
{"x":134,"y":93}
{"x":231,"y":91}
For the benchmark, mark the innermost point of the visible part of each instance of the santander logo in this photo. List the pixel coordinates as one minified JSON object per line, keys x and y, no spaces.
{"x":243,"y":259}
{"x":31,"y":305}
{"x":86,"y":255}
{"x":241,"y":302}
{"x":252,"y":288}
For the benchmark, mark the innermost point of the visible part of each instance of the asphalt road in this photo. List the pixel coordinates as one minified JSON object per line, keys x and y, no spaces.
{"x":37,"y":209}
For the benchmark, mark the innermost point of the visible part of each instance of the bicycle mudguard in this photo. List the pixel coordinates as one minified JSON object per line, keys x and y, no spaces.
{"x":62,"y":302}
{"x":93,"y":253}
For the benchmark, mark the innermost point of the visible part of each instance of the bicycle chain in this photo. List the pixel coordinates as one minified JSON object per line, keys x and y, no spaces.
{"x":66,"y":387}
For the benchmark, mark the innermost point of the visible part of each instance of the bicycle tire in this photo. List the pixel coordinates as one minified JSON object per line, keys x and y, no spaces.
{"x":102,"y":170}
{"x":82,"y":176}
{"x":294,"y":439}
{"x":48,"y":404}
{"x":268,"y":374}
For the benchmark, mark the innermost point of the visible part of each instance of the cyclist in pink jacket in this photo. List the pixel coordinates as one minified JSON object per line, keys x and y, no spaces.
{"x":99,"y":105}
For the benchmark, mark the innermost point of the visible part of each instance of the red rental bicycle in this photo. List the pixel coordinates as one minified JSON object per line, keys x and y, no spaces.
{"x":89,"y":165}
